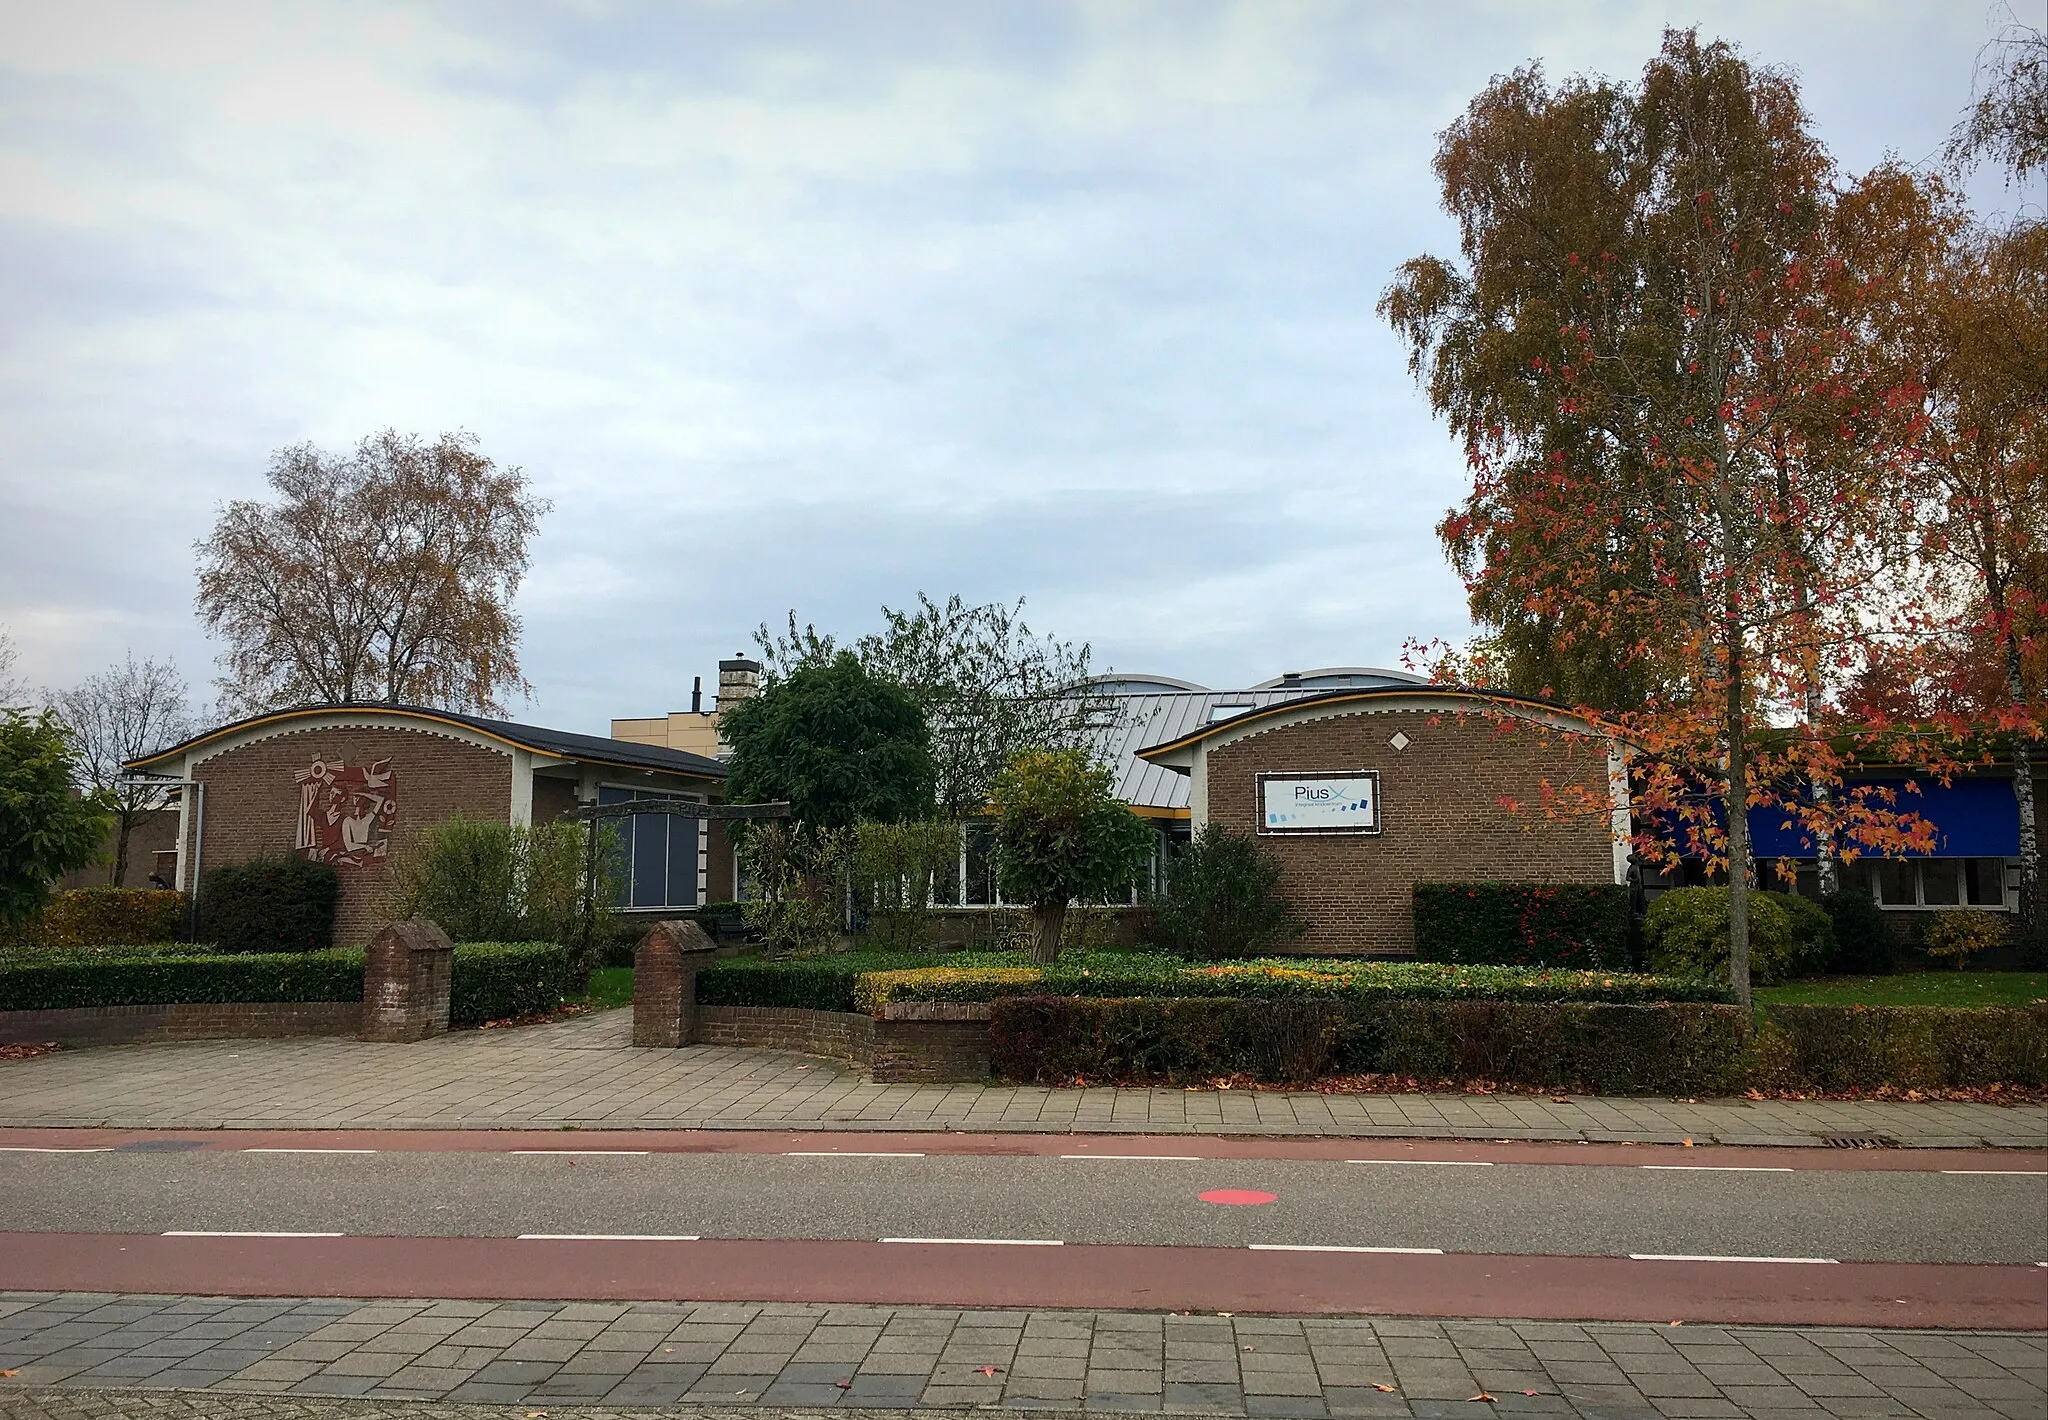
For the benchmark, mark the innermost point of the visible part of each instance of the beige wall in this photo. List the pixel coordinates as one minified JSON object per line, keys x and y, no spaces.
{"x":680,"y":729}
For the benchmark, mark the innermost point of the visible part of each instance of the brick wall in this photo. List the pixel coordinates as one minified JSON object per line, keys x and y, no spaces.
{"x":242,"y":1020}
{"x":1440,"y":814}
{"x":839,"y":1035}
{"x":252,"y":802}
{"x":552,"y":797}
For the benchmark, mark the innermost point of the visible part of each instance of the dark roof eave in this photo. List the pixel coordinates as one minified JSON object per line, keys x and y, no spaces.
{"x":557,"y":744}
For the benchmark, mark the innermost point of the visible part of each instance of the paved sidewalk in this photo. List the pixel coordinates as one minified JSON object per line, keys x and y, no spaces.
{"x":664,"y":1353}
{"x":583,"y":1073}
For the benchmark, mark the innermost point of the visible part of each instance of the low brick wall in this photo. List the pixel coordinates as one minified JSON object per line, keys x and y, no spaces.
{"x":838,"y":1035}
{"x":918,"y":1042}
{"x":113,"y":1025}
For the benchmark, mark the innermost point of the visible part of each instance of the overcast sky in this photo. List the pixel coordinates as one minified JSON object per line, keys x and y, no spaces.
{"x":792,"y":305}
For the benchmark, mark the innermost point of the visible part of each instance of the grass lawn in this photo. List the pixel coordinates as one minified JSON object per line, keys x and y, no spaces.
{"x":610,"y":986}
{"x":1913,"y":988}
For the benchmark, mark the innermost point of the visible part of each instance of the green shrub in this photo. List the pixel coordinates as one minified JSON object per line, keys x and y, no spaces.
{"x":1813,"y":934}
{"x":874,"y":989}
{"x":1523,"y":924}
{"x":482,"y":880}
{"x":496,"y":981}
{"x":1689,"y":1049}
{"x":85,"y":978}
{"x":1960,"y":933}
{"x":895,"y":866}
{"x":278,"y":904}
{"x":1836,"y":1049}
{"x":1687,"y":935}
{"x":1865,"y":944}
{"x":1221,"y":898}
{"x":103,"y":917}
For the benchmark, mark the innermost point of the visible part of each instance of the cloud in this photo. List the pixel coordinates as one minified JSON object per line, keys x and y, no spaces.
{"x":805,"y":305}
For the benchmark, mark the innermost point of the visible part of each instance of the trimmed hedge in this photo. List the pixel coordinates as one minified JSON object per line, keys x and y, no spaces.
{"x":1836,"y":1049}
{"x":1583,"y":925}
{"x":818,"y":983}
{"x":492,"y":981}
{"x":1607,"y":1049}
{"x":62,"y":980}
{"x":1276,"y":981}
{"x":496,"y":981}
{"x":102,"y":917}
{"x":277,"y":904}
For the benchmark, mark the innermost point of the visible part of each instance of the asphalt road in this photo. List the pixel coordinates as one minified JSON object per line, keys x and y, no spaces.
{"x":1504,"y":1208}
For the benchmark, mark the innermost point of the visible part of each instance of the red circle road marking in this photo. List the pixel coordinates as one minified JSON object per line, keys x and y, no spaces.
{"x":1239,"y":1196}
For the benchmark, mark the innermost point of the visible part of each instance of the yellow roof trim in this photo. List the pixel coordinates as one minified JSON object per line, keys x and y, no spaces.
{"x":1388,"y":692}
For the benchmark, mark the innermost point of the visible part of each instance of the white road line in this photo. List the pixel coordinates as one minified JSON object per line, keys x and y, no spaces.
{"x":1717,"y":1168}
{"x":251,"y":1235}
{"x":847,"y":1154}
{"x":990,"y":1242}
{"x":39,"y":1149}
{"x":580,"y":1153}
{"x":608,"y":1237}
{"x":1431,"y":1163}
{"x":1708,"y":1257}
{"x":1144,"y":1158}
{"x":1317,"y":1247}
{"x":2003,"y":1173}
{"x":309,"y":1151}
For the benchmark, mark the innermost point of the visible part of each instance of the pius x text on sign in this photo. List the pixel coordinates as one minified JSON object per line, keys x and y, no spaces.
{"x":1334,"y":801}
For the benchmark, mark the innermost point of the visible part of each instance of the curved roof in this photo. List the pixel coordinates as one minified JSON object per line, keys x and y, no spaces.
{"x":1155,"y":753}
{"x":561,"y":744}
{"x":1111,"y":683}
{"x":1341,"y":678}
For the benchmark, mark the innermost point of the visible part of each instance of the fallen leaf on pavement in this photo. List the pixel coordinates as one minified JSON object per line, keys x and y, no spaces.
{"x":1485,"y":1397}
{"x":1385,"y":1388}
{"x":987,"y":1370}
{"x":8,"y":1375}
{"x":844,"y":1385}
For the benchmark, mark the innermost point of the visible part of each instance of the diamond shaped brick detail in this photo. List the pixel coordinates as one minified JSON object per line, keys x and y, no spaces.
{"x":1399,"y":741}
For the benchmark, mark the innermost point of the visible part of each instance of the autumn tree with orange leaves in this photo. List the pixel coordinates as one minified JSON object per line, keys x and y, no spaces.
{"x":386,"y":574}
{"x":1674,"y":355}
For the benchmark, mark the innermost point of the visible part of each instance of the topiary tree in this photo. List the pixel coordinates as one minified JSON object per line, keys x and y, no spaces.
{"x":839,"y":744}
{"x":1222,"y":898}
{"x":1062,"y":836}
{"x":280,"y":903}
{"x":45,"y":830}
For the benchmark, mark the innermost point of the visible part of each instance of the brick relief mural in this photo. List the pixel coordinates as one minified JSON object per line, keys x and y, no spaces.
{"x":346,"y":815}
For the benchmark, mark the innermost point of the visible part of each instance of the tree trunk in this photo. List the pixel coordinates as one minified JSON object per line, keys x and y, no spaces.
{"x":1736,"y":802}
{"x":124,"y":823}
{"x":1048,"y":920}
{"x":2023,"y":792}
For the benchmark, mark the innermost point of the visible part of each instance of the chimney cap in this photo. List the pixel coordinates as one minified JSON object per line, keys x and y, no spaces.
{"x":739,"y":663}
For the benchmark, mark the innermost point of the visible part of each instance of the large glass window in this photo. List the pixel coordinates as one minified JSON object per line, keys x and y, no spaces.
{"x":1984,"y":881}
{"x":658,"y":853}
{"x":1940,"y":883}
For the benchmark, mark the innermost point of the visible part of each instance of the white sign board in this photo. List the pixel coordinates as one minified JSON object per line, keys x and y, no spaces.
{"x":1320,"y":803}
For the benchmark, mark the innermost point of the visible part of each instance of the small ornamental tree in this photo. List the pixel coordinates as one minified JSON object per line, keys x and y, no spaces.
{"x":840,"y":745}
{"x":1061,"y":837}
{"x":46,"y":830}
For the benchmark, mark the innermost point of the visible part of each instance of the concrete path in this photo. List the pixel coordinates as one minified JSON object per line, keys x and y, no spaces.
{"x":582,"y":1073}
{"x":531,"y":1354}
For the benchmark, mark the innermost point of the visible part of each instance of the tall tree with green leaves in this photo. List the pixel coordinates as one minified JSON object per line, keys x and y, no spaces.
{"x":47,"y":829}
{"x":989,"y":686}
{"x":840,"y":744}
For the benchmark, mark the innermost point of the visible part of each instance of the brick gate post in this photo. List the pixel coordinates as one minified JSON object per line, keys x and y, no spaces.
{"x":407,"y":970}
{"x":665,"y":967}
